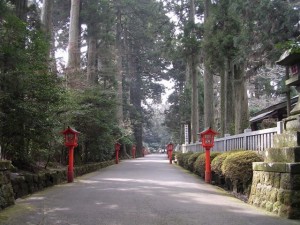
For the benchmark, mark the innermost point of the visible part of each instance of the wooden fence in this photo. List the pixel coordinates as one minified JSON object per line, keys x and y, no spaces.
{"x":249,"y":140}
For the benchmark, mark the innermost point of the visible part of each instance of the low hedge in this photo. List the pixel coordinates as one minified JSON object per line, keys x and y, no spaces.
{"x":182,"y":159}
{"x":237,"y":167}
{"x":191,"y":160}
{"x":217,"y":162}
{"x":199,"y":165}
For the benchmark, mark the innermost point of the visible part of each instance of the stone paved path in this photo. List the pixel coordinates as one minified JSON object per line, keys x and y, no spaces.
{"x":146,"y":191}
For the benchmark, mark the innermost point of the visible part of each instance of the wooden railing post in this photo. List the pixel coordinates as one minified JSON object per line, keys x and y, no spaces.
{"x":280,"y":127}
{"x":225,"y":142}
{"x":245,"y":142}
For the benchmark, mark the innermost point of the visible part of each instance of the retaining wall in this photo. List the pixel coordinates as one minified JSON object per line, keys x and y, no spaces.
{"x":16,"y":185}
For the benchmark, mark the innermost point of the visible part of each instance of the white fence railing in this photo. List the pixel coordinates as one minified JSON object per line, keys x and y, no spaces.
{"x":250,"y":140}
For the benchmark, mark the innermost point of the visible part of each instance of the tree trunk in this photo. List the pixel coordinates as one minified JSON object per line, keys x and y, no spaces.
{"x":73,"y":64}
{"x":46,"y":19}
{"x":229,"y":98}
{"x":194,"y":81}
{"x":135,"y":97}
{"x":208,"y":84}
{"x":20,"y":8}
{"x":92,"y":56}
{"x":222,"y":110}
{"x":241,"y":100}
{"x":119,"y":73}
{"x":195,"y":100}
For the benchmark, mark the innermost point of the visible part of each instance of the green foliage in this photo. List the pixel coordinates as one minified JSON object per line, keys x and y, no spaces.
{"x":238,"y":165}
{"x":30,"y":96}
{"x":182,"y":159}
{"x":94,"y":118}
{"x":192,"y":160}
{"x":217,"y":162}
{"x":199,"y":164}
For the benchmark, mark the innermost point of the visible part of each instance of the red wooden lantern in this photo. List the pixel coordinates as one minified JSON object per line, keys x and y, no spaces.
{"x":71,"y":137}
{"x":133,"y":151}
{"x":170,"y":151}
{"x":71,"y":141}
{"x":207,"y":138}
{"x":117,"y":150}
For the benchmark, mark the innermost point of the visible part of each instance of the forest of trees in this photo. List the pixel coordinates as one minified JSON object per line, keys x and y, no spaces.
{"x":218,"y":54}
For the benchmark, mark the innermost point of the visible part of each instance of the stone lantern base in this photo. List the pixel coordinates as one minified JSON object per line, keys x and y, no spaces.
{"x":6,"y":191}
{"x":276,"y":182}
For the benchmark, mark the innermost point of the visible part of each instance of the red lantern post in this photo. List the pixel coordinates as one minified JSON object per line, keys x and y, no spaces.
{"x":71,"y":139}
{"x":207,"y":138}
{"x":117,"y":150}
{"x":170,"y":151}
{"x":133,"y":151}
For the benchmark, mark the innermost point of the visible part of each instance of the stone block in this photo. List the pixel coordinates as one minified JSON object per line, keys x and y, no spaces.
{"x":295,"y":182}
{"x":280,"y":196}
{"x":293,"y":168}
{"x":287,"y":197}
{"x":276,"y":180}
{"x":263,"y":204}
{"x":283,"y":210}
{"x":295,"y":199}
{"x":273,"y":195}
{"x":269,"y":206}
{"x":285,"y":154}
{"x":257,"y":202}
{"x":269,"y":167}
{"x":276,"y":207}
{"x":285,"y":181}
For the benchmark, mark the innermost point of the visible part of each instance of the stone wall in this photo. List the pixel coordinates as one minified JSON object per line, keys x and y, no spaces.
{"x":26,"y":183}
{"x":276,"y":185}
{"x":276,"y":193}
{"x":16,"y":185}
{"x":6,"y":191}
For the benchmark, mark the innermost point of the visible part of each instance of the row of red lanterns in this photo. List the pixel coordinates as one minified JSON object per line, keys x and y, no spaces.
{"x":71,"y":141}
{"x":133,"y":151}
{"x":207,"y":139}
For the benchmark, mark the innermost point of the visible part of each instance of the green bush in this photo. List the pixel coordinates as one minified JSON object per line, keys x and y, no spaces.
{"x":191,"y":160}
{"x":238,"y":166}
{"x":182,"y":159}
{"x":179,"y":157}
{"x":186,"y":157}
{"x":199,"y":165}
{"x":217,"y":162}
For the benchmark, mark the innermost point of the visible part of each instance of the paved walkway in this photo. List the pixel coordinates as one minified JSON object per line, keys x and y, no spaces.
{"x":147,"y":191}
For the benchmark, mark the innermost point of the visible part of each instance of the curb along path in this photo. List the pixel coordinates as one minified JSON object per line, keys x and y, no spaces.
{"x":144,"y":191}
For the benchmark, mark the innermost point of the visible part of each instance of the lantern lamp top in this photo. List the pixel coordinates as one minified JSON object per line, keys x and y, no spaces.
{"x":117,"y":145}
{"x":208,"y":131}
{"x":170,"y":146}
{"x":71,"y":136}
{"x":207,"y":137}
{"x":69,"y":130}
{"x":288,"y":58}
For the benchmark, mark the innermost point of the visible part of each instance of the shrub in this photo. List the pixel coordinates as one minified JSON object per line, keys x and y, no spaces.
{"x":238,"y":167}
{"x":191,"y":160}
{"x":199,"y":165}
{"x":186,"y":157}
{"x":181,"y":158}
{"x":217,"y":162}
